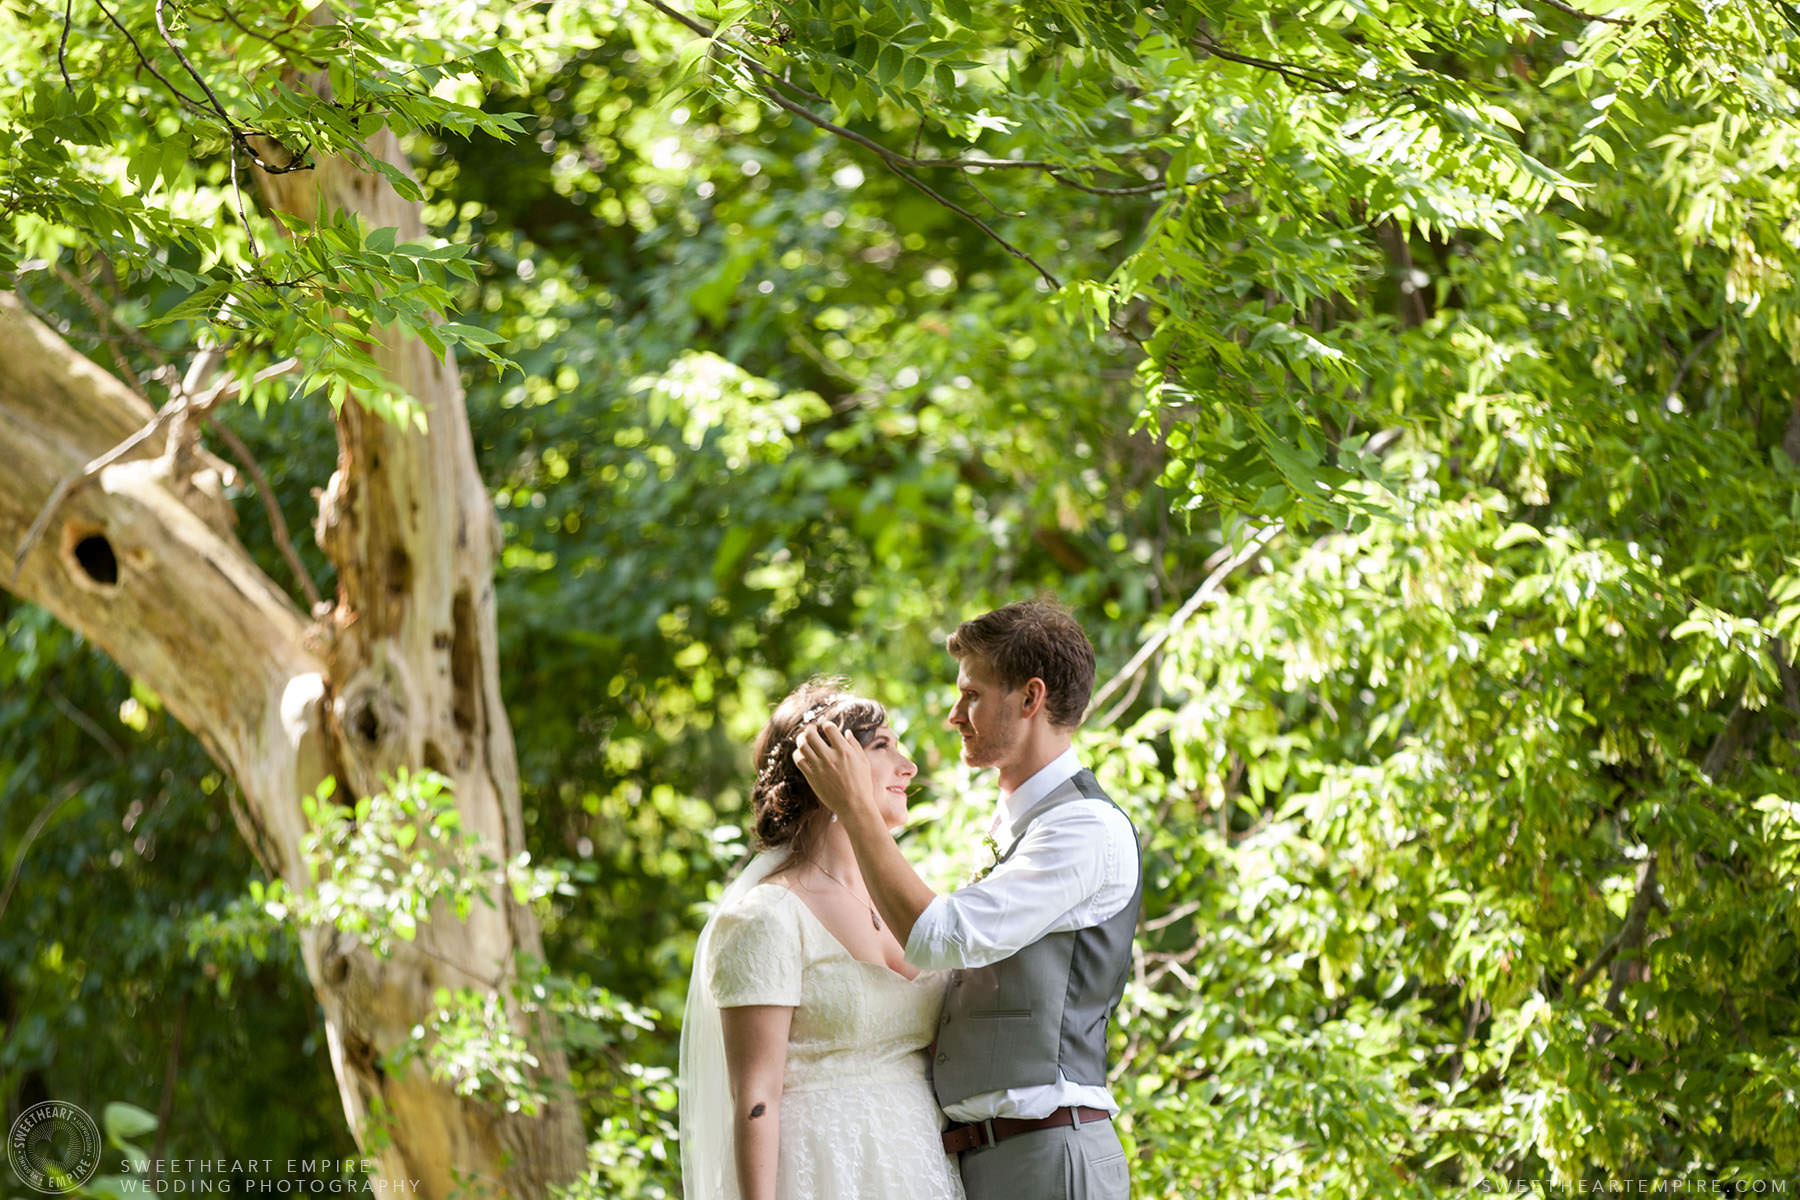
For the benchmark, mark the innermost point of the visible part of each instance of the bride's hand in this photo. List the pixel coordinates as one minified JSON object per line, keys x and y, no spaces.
{"x":836,"y":766}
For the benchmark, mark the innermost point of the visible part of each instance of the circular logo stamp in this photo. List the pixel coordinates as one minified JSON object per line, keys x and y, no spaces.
{"x":53,"y":1147}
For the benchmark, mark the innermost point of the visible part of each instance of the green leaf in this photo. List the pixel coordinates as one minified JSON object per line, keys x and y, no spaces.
{"x":123,"y":1121}
{"x":471,"y":333}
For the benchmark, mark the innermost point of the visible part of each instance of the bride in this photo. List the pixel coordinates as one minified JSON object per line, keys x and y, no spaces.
{"x":803,"y":1066}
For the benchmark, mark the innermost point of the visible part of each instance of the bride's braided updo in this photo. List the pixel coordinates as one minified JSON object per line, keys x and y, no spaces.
{"x":782,"y":801}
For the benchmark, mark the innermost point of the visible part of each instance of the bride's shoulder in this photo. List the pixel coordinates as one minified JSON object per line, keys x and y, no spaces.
{"x":765,"y":899}
{"x":759,"y":923}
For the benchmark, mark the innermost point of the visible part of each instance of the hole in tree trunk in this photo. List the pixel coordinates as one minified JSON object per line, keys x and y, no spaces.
{"x":399,"y":572}
{"x":464,"y":649}
{"x":95,"y":554}
{"x":365,"y":723}
{"x":90,"y":555}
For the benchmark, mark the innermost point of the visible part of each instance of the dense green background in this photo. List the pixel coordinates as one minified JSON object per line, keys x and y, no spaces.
{"x":1472,"y":839}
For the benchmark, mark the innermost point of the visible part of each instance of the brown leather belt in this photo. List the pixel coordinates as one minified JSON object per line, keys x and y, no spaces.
{"x":980,"y":1134}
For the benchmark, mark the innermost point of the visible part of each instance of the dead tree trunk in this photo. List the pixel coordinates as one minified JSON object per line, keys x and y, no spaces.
{"x":402,"y":671}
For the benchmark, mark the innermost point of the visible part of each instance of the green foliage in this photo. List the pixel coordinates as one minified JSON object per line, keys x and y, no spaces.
{"x":147,"y":163}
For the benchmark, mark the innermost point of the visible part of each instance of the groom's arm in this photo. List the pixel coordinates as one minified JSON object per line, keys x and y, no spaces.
{"x":1083,"y":858}
{"x":1073,"y":868}
{"x":898,"y":892}
{"x":838,"y":771}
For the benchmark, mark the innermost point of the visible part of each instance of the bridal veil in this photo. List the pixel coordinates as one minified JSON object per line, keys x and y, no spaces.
{"x":708,"y":1169}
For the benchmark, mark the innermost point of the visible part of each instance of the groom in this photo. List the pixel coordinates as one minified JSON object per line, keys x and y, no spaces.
{"x":1041,"y":945}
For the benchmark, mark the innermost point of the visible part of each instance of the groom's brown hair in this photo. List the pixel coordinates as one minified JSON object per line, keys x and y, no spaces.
{"x":1033,"y":639}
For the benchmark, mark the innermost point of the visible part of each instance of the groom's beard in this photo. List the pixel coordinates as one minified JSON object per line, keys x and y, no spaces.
{"x":990,"y":748}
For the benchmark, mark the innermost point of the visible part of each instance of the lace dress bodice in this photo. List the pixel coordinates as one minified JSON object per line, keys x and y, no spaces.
{"x":858,"y":1116}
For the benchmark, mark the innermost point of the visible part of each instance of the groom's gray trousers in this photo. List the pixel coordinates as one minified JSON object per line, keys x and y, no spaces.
{"x":1063,"y":1163}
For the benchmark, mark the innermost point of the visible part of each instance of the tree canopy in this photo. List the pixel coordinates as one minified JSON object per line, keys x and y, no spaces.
{"x":1400,"y":393}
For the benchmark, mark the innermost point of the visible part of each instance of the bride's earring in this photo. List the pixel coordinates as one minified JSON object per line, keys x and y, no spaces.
{"x":834,"y":818}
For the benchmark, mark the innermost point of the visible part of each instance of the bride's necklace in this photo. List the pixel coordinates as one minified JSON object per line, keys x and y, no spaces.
{"x":874,"y":916}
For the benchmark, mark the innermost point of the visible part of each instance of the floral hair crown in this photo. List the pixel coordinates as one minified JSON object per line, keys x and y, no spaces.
{"x":806,"y":718}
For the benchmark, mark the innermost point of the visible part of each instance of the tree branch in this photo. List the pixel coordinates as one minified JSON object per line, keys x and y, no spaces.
{"x":84,"y":722}
{"x":166,"y":1108}
{"x":197,"y":406}
{"x":901,"y":164}
{"x":894,"y":163}
{"x":62,"y":45}
{"x":31,"y":835}
{"x":1563,"y":7}
{"x":284,"y":541}
{"x":1681,"y":371}
{"x":1630,"y":934}
{"x":278,"y":526}
{"x":144,"y":60}
{"x":1288,"y":71}
{"x":1205,"y":592}
{"x":292,"y":52}
{"x":1740,"y":729}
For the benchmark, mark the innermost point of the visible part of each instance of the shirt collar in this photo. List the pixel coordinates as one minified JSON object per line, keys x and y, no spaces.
{"x":1016,"y":806}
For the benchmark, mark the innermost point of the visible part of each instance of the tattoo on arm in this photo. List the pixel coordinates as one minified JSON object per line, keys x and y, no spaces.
{"x":758,"y":1111}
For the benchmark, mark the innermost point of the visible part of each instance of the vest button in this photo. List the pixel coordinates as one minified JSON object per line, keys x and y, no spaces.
{"x":943,"y":1058}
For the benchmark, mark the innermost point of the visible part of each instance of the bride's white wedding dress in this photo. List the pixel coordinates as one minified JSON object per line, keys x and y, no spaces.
{"x":858,"y":1118}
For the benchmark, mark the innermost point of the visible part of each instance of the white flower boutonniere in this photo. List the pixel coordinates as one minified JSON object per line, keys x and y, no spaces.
{"x":993,"y":849}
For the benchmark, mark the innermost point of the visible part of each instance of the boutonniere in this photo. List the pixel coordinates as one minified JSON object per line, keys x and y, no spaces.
{"x":993,"y":849}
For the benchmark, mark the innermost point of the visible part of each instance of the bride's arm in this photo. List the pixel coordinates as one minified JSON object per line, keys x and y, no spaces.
{"x":756,"y":1040}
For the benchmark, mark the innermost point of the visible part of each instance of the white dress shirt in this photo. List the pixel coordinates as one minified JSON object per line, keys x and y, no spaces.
{"x":1075,"y":868}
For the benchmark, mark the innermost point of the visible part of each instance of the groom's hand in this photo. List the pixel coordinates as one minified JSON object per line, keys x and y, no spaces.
{"x":836,"y":767}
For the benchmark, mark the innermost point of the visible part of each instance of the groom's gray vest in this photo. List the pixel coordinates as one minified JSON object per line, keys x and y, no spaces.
{"x":1017,"y":1022}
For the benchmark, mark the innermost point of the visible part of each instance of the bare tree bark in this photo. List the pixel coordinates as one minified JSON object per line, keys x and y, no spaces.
{"x":401,"y":672}
{"x":412,"y":649}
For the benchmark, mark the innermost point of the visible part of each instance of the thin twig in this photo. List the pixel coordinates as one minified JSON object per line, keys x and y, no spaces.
{"x":892,"y":161}
{"x":1681,"y":371}
{"x":1147,"y":189}
{"x":85,"y":722}
{"x":182,"y":58}
{"x":1206,"y":591}
{"x":989,"y":200}
{"x":1562,"y":7}
{"x":243,"y":213}
{"x":892,"y":157}
{"x":166,"y":1108}
{"x":62,"y":45}
{"x":283,"y":539}
{"x":144,"y":59}
{"x":290,"y":51}
{"x":895,"y":162}
{"x":31,"y":833}
{"x":1631,"y":930}
{"x":1286,"y":70}
{"x":237,"y":137}
{"x":1124,"y":705}
{"x":1175,"y":914}
{"x":197,"y":406}
{"x":1056,"y":171}
{"x":103,"y":313}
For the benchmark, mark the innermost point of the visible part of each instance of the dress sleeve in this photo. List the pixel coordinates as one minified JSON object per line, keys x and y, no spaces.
{"x":756,"y":956}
